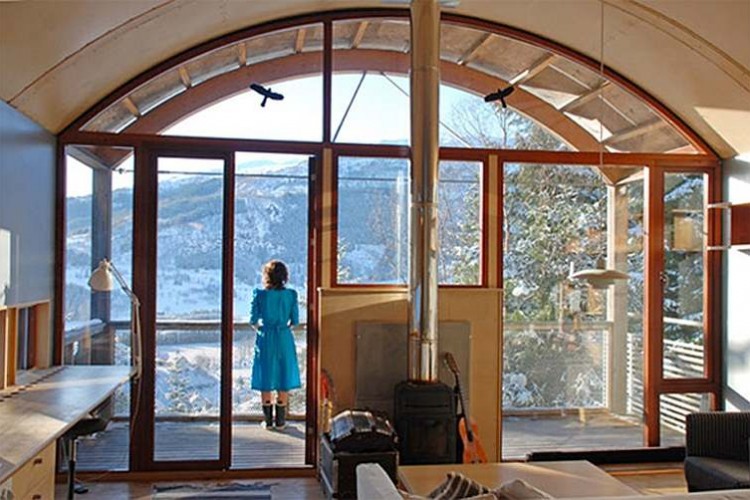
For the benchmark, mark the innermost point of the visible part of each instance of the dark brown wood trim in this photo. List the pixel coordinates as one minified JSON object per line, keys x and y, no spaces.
{"x":327,"y":79}
{"x":58,"y":345}
{"x":740,"y":222}
{"x":314,"y":259}
{"x":652,"y":303}
{"x":334,"y":216}
{"x":192,"y":475}
{"x":484,"y":225}
{"x":612,"y":160}
{"x":210,"y":144}
{"x":500,"y":229}
{"x":32,"y":327}
{"x":144,"y":282}
{"x":715,"y":290}
{"x":687,"y":385}
{"x":464,"y":154}
{"x":227,"y":314}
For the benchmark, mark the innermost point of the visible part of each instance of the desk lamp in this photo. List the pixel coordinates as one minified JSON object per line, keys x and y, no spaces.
{"x":101,"y":281}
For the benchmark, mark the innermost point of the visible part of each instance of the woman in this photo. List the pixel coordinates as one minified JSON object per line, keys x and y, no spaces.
{"x":275,"y":367}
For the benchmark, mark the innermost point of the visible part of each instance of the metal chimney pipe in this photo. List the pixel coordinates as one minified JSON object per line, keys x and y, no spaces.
{"x":423,"y":285}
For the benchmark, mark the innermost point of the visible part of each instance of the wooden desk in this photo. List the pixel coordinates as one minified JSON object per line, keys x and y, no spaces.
{"x":576,"y":478}
{"x":32,"y":417}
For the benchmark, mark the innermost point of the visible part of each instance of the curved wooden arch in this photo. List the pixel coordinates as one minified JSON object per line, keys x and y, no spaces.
{"x":231,"y":83}
{"x":328,"y":17}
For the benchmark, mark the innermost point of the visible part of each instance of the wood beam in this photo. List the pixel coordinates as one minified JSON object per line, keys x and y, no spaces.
{"x":635,"y":131}
{"x":359,"y":34}
{"x":472,"y":52}
{"x":130,"y":105}
{"x":586,"y":97}
{"x":242,"y":53}
{"x":299,"y":42}
{"x":533,"y":70}
{"x":614,"y":176}
{"x":185,"y":77}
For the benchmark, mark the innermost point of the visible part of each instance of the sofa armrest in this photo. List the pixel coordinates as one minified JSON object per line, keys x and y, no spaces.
{"x":718,"y":435}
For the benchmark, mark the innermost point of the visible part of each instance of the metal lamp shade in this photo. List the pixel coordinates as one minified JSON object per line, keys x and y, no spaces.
{"x":600,"y":278}
{"x":101,"y":278}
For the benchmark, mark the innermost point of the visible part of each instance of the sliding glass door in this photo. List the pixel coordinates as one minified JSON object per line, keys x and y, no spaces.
{"x":210,"y":222}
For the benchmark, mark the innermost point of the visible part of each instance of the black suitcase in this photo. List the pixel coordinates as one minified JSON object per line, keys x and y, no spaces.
{"x":359,"y":431}
{"x":338,"y":468}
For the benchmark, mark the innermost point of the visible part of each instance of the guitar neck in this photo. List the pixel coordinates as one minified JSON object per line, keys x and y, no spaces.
{"x":464,"y":410}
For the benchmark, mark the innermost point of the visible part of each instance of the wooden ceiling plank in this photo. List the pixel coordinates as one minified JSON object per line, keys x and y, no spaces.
{"x":299,"y":42}
{"x":130,"y":105}
{"x":635,"y":131}
{"x":615,"y":176}
{"x":588,"y":96}
{"x":471,"y":53}
{"x":533,"y":70}
{"x":359,"y":34}
{"x":242,"y":53}
{"x":185,"y":77}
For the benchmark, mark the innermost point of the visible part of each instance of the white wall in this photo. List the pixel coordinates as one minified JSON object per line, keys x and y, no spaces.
{"x":737,"y":296}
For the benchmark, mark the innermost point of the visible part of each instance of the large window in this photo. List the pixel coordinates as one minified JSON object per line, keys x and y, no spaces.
{"x":684,"y":242}
{"x":97,"y":328}
{"x":523,"y":206}
{"x":373,"y":220}
{"x":460,"y":223}
{"x":572,"y":346}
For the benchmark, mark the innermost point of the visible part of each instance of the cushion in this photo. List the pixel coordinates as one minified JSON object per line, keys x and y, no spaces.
{"x":456,"y":486}
{"x":706,"y":473}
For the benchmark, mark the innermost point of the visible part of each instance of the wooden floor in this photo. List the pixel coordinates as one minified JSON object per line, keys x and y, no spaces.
{"x":252,"y":446}
{"x":595,"y":431}
{"x":650,"y":482}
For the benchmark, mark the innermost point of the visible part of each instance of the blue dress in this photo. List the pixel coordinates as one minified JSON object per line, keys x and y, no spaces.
{"x":275,"y":364}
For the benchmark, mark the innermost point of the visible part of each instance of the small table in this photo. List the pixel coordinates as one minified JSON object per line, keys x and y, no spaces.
{"x":575,"y":478}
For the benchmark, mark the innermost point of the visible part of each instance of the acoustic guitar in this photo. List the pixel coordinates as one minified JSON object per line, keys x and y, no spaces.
{"x":473,"y":450}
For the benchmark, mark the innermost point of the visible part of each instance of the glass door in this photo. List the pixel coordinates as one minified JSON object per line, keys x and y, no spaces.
{"x":686,"y":334}
{"x":187,"y":334}
{"x":271,"y":222}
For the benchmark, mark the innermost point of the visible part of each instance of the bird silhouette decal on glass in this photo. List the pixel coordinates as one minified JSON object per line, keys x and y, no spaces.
{"x":267,"y":93}
{"x":501,"y":94}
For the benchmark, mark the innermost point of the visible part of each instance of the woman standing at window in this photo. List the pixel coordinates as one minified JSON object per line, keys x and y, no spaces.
{"x":275,"y":366}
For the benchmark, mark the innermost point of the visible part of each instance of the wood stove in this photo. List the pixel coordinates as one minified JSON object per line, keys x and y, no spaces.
{"x":425,"y":415}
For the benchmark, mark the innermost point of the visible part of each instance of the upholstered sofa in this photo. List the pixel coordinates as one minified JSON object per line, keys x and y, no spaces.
{"x":374,"y":484}
{"x":717,"y":451}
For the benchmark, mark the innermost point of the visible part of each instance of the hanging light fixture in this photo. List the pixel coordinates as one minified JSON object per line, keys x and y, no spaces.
{"x":599,"y":277}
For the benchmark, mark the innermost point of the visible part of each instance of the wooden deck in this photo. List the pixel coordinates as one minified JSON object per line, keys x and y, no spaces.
{"x":523,"y":434}
{"x":252,"y":446}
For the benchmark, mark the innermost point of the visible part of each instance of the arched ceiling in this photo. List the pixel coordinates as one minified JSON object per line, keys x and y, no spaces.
{"x":57,"y":59}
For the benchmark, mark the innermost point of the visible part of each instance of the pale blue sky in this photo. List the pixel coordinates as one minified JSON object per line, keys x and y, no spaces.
{"x":379,"y":114}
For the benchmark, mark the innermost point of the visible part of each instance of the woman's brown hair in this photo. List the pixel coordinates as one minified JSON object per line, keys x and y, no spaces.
{"x":275,"y":275}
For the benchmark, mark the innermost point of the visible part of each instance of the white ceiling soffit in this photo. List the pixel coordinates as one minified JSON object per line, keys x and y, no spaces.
{"x":57,"y":59}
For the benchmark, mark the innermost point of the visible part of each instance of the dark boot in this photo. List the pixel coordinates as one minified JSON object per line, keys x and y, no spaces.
{"x":280,"y":416}
{"x":268,"y":416}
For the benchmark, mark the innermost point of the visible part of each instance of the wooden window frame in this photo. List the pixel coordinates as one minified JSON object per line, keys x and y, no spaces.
{"x":144,"y":143}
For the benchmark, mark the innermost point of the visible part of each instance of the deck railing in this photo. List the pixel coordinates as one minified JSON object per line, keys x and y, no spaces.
{"x":681,"y":360}
{"x":553,"y":366}
{"x":187,"y":382}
